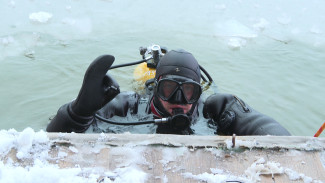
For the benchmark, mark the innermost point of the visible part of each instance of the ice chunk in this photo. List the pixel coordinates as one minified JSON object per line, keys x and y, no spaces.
{"x":236,"y":43}
{"x":7,"y":40}
{"x":315,"y":30}
{"x":261,"y":25}
{"x":284,"y":19}
{"x":234,"y":28}
{"x":220,"y":6}
{"x":40,"y":17}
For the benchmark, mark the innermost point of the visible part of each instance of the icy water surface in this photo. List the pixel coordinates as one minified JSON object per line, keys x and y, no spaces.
{"x":270,"y":53}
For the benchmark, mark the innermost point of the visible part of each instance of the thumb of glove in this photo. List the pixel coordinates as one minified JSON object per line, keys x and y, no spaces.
{"x":111,"y":88}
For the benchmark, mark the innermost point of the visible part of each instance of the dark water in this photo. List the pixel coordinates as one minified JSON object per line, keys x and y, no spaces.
{"x":270,"y":54}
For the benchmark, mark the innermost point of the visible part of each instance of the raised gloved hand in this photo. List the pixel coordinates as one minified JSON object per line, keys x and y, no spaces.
{"x":98,"y":88}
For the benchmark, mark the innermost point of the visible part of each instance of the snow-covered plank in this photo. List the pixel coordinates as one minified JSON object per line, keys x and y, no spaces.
{"x":162,"y":158}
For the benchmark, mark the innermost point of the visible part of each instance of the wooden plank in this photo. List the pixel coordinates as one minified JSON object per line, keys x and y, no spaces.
{"x":287,"y":142}
{"x":177,"y":158}
{"x":296,"y":154}
{"x":196,"y":162}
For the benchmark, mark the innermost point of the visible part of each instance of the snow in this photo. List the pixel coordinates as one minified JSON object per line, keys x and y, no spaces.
{"x":33,"y":149}
{"x":215,"y":178}
{"x":262,"y":167}
{"x":40,"y":172}
{"x":295,"y":176}
{"x":130,"y":174}
{"x":312,"y":144}
{"x":31,"y":146}
{"x":128,"y":156}
{"x":169,"y":155}
{"x":73,"y":149}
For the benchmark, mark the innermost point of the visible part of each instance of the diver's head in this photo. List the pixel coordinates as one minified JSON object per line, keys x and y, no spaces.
{"x":177,"y":83}
{"x":180,"y":63}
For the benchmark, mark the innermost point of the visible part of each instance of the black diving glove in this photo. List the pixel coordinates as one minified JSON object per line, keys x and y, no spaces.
{"x":232,"y":115}
{"x":98,"y":88}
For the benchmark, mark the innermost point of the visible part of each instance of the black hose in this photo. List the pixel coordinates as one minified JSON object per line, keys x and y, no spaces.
{"x":207,"y":74}
{"x":149,"y":81}
{"x":144,"y":60}
{"x":128,"y":64}
{"x":128,"y":123}
{"x":203,"y":78}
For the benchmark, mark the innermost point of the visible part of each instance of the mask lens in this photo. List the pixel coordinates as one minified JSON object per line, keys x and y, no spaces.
{"x":167,"y":88}
{"x":188,"y":90}
{"x":191,"y":91}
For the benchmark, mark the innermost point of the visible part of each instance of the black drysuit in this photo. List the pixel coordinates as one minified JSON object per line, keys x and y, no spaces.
{"x":223,"y":114}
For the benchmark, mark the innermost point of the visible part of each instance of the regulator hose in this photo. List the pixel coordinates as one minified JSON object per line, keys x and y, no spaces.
{"x":144,"y":60}
{"x":128,"y":123}
{"x":178,"y":121}
{"x":129,"y":64}
{"x":154,"y":121}
{"x":206,"y":73}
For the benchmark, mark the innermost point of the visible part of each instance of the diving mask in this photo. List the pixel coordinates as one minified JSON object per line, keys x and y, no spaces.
{"x":178,"y":89}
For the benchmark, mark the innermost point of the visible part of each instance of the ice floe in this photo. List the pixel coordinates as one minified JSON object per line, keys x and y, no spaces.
{"x":40,"y":17}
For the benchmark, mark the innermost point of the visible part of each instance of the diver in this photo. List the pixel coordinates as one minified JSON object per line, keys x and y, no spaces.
{"x":175,"y":103}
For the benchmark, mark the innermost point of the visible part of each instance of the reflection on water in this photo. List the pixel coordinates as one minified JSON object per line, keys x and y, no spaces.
{"x":270,"y":54}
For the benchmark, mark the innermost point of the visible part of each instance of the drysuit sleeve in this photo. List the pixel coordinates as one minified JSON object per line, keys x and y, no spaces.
{"x":233,"y":116}
{"x":67,"y":121}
